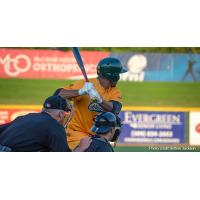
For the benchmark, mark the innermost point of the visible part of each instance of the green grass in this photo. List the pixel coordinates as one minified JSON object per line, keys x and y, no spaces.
{"x":161,"y":94}
{"x":23,"y":91}
{"x":27,"y":91}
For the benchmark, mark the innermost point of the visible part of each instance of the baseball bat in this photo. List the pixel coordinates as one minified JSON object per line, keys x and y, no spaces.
{"x":79,"y":60}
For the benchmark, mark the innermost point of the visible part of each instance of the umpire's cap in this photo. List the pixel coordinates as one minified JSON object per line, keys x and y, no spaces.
{"x":57,"y":102}
{"x":104,"y":123}
{"x":110,"y":68}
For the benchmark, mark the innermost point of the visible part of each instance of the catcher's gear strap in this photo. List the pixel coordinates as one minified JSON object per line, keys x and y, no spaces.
{"x":117,"y":106}
{"x":5,"y":148}
{"x":101,"y":139}
{"x":3,"y":127}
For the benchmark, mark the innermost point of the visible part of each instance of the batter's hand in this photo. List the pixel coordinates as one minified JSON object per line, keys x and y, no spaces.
{"x":86,"y":88}
{"x":94,"y":96}
{"x":84,"y":144}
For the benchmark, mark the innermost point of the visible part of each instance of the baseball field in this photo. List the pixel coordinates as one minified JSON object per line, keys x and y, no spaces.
{"x":154,"y":94}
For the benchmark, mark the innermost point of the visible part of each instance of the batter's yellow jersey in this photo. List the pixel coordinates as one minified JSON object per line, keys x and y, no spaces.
{"x":82,"y":120}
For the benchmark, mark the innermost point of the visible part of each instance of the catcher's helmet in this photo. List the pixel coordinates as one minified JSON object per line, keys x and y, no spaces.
{"x":110,"y":68}
{"x":104,"y":122}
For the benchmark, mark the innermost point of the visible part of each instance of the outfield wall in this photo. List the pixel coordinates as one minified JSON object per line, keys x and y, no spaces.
{"x":54,"y":64}
{"x":141,"y":125}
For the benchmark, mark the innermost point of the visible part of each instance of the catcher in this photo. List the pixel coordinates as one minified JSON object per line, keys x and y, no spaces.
{"x":107,"y":129}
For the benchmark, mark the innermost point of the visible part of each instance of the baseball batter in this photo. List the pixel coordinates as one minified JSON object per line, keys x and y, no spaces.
{"x":101,"y":89}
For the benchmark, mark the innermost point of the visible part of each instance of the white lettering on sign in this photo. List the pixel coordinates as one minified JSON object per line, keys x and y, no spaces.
{"x":152,"y":140}
{"x":54,"y":59}
{"x":61,"y":67}
{"x":54,"y":67}
{"x":151,"y":121}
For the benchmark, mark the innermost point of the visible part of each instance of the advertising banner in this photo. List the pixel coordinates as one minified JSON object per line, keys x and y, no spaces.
{"x":160,"y":67}
{"x":46,"y":64}
{"x":7,"y":115}
{"x":153,"y":127}
{"x":194,"y":132}
{"x":55,"y":64}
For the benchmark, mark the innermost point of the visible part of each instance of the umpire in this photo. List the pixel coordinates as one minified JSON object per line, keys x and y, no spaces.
{"x":39,"y":131}
{"x":107,"y":129}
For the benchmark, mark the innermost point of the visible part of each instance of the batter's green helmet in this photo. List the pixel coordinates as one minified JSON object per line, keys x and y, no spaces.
{"x":110,"y":68}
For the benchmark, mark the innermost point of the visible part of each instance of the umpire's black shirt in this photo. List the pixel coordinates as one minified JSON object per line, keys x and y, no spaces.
{"x":34,"y":132}
{"x":99,"y":144}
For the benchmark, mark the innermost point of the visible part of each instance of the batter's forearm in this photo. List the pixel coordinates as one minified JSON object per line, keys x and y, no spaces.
{"x":68,"y":94}
{"x":107,"y":106}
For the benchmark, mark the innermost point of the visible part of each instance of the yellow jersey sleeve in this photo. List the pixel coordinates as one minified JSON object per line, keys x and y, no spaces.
{"x":75,"y":86}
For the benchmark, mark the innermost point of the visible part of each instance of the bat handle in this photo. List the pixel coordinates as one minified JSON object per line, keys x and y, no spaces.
{"x":86,"y":79}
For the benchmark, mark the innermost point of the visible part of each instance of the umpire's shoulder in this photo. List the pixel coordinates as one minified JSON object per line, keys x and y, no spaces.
{"x":53,"y":125}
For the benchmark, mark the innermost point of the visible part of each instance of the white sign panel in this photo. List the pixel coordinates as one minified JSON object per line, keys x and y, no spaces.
{"x":194,"y":128}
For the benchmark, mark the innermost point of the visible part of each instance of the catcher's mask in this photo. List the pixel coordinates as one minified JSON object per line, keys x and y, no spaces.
{"x":59,"y":103}
{"x":67,"y":118}
{"x":69,"y":112}
{"x":117,"y":130}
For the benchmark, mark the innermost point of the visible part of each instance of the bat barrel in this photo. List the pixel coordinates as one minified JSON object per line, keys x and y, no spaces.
{"x":79,"y":60}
